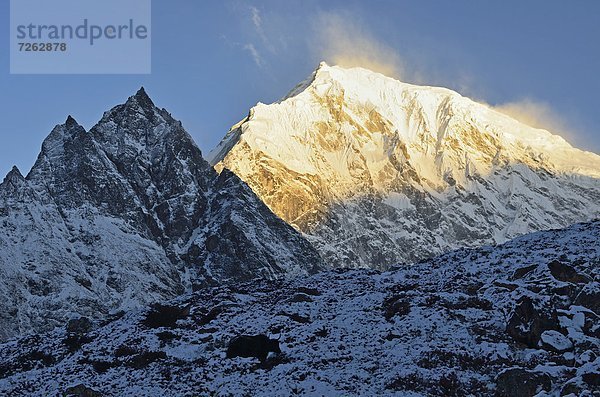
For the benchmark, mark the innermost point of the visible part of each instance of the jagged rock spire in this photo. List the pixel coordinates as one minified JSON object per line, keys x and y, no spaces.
{"x":13,"y":180}
{"x":132,"y":198}
{"x":142,"y":99}
{"x":13,"y":175}
{"x":70,"y":122}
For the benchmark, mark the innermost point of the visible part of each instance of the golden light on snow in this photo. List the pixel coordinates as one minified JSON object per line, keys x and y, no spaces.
{"x":538,"y":115}
{"x":343,"y":41}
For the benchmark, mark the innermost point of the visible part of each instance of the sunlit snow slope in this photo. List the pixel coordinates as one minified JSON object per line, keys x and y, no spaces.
{"x":375,"y":171}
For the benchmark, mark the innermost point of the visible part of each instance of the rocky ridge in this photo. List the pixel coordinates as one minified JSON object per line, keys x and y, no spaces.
{"x":126,"y":214}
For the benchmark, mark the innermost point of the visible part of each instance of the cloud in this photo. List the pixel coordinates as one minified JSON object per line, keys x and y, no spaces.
{"x":258,"y":59}
{"x":256,"y":18}
{"x":258,"y":41}
{"x":340,"y":39}
{"x":539,"y":115}
{"x":259,"y":29}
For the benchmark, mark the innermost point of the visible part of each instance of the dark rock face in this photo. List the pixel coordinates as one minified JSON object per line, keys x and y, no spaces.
{"x":159,"y":162}
{"x":563,"y":272}
{"x":590,"y":297}
{"x":244,"y":237}
{"x":81,"y":391}
{"x":130,"y":213}
{"x":518,"y":382}
{"x":79,"y":326}
{"x":529,"y":320}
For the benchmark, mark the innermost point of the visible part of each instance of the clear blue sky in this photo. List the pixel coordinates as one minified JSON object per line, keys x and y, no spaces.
{"x":213,"y":60}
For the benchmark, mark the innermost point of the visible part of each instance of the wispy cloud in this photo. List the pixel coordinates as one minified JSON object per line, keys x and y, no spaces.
{"x":256,"y":18}
{"x":259,"y":40}
{"x":261,"y":28}
{"x":258,"y":59}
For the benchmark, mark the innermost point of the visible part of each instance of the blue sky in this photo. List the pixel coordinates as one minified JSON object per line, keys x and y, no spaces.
{"x":213,"y":60}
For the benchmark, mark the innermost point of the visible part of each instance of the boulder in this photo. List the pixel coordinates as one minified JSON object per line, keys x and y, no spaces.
{"x":591,"y":325}
{"x":571,"y":388}
{"x":555,"y":341}
{"x":566,"y":273}
{"x":519,"y":382}
{"x":522,"y":272}
{"x":300,"y":297}
{"x":591,"y":379}
{"x":81,"y":391}
{"x":396,"y":306}
{"x":529,"y":320}
{"x":590,"y":297}
{"x":79,"y":326}
{"x":165,"y":315}
{"x":309,"y":291}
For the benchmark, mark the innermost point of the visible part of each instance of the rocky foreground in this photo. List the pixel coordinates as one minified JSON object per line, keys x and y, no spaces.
{"x":518,"y":319}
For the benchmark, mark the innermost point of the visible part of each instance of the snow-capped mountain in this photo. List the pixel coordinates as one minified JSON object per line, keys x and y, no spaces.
{"x":127,"y":214}
{"x":376,"y":172}
{"x":513,"y":320}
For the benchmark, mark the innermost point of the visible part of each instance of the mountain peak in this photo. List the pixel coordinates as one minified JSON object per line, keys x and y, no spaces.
{"x":357,"y":137}
{"x":13,"y":179}
{"x":322,"y":65}
{"x":141,"y":93}
{"x":69,"y":127}
{"x":60,"y":134}
{"x":14,"y":173}
{"x":137,"y":124}
{"x":305,"y":84}
{"x":142,"y":99}
{"x":70,"y":122}
{"x":132,"y":198}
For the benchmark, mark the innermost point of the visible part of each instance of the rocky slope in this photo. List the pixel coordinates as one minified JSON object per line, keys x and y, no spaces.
{"x":513,"y":320}
{"x":126,"y":214}
{"x":376,"y":172}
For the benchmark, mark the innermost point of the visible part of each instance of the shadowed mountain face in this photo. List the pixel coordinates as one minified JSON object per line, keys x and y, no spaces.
{"x":376,"y":172}
{"x":126,"y":214}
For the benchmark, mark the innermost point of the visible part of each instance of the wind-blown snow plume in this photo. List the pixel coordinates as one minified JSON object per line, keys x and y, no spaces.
{"x":539,"y":115}
{"x":342,"y":40}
